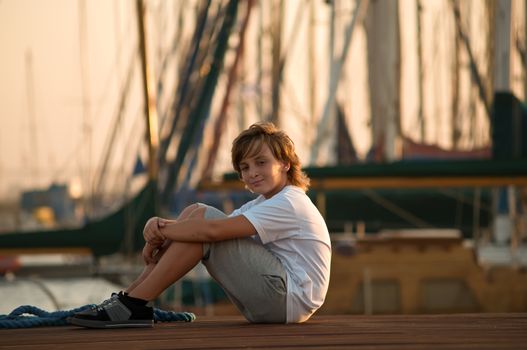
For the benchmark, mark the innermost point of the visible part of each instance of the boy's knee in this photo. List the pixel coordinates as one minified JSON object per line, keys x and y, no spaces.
{"x":210,"y":212}
{"x":187,"y":211}
{"x":198,"y":212}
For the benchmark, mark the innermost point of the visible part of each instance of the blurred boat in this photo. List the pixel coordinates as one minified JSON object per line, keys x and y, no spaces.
{"x":9,"y":264}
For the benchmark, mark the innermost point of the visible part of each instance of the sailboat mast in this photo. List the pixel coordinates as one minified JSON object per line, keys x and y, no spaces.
{"x":30,"y":88}
{"x":259,"y":76}
{"x":149,"y":95}
{"x":277,"y":10}
{"x":312,"y":71}
{"x":420,"y":70}
{"x":456,"y":125}
{"x":502,"y":46}
{"x":220,"y":123}
{"x":86,"y":168}
{"x":325,"y":122}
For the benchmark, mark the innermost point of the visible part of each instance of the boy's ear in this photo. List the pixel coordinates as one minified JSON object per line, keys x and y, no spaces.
{"x":286,"y":166}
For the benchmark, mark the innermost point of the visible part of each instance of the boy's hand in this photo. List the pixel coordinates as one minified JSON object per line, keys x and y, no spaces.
{"x":148,"y":254}
{"x":152,"y":254}
{"x":152,"y":231}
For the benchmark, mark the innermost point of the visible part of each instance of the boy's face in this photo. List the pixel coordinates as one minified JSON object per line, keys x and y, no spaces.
{"x":263,"y":174}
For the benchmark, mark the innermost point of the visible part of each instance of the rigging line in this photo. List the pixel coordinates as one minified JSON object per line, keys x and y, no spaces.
{"x":109,"y":77}
{"x":294,"y":105}
{"x":189,"y":165}
{"x":521,"y":50}
{"x":169,"y":57}
{"x":46,"y":290}
{"x":275,"y":30}
{"x":203,"y":105}
{"x":220,"y":13}
{"x":149,"y":92}
{"x":358,"y":15}
{"x":223,"y":115}
{"x":311,"y":71}
{"x":68,"y":160}
{"x":116,"y":65}
{"x":182,"y":90}
{"x":390,"y":206}
{"x":439,"y":92}
{"x":192,"y":84}
{"x":420,"y":70}
{"x":111,"y":136}
{"x":454,"y":194}
{"x":457,"y":128}
{"x":99,"y":177}
{"x":476,"y":76}
{"x":132,"y":146}
{"x":85,"y":161}
{"x":290,"y":44}
{"x":476,"y":225}
{"x":195,"y":85}
{"x":260,"y":33}
{"x":32,"y":119}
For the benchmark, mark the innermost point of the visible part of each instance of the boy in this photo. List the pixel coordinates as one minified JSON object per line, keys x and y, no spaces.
{"x":271,"y":256}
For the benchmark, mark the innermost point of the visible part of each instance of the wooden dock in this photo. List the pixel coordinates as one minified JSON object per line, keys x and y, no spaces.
{"x":409,"y":332}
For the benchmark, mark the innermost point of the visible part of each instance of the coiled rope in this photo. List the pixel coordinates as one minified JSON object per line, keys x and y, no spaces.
{"x":27,"y":316}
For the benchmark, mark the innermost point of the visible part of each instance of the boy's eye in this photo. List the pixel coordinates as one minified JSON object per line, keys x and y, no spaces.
{"x":261,"y":162}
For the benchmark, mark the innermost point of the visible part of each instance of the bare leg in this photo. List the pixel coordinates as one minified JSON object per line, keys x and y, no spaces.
{"x":179,"y":259}
{"x":148,"y":268}
{"x":146,"y":271}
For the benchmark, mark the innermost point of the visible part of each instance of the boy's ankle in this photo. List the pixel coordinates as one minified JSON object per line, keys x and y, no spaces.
{"x":134,"y":300}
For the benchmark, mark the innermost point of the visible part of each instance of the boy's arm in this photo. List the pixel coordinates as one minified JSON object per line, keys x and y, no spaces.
{"x":201,"y":230}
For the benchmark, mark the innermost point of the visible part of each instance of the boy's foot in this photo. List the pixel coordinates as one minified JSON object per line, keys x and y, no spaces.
{"x":120,"y":311}
{"x":109,"y":300}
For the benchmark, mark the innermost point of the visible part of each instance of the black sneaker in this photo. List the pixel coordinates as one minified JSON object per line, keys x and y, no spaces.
{"x":109,"y":300}
{"x":120,"y":311}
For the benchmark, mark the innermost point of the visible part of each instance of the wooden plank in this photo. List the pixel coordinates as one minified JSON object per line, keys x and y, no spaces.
{"x":417,"y":182}
{"x":48,"y":250}
{"x":462,"y":331}
{"x":389,"y":182}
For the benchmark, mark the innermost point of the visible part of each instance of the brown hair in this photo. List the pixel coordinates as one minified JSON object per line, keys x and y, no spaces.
{"x":251,"y":140}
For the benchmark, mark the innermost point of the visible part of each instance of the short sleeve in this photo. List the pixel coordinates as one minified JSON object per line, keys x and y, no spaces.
{"x":246,"y":206}
{"x":273,"y":219}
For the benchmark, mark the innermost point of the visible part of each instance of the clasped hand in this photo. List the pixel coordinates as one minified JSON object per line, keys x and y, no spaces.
{"x":154,"y":238}
{"x":152,"y":231}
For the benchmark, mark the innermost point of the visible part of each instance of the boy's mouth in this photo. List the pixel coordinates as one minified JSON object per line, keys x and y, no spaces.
{"x":256,"y":183}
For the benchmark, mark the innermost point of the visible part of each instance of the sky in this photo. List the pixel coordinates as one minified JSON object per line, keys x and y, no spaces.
{"x":80,"y":51}
{"x":43,"y":146}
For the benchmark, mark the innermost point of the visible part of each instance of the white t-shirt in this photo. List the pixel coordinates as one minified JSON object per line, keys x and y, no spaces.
{"x":291,"y":227}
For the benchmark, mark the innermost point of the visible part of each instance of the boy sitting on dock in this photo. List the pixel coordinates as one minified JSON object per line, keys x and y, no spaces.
{"x":271,"y":256}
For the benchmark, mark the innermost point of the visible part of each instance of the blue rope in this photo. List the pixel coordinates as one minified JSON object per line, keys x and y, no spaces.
{"x":17,"y":319}
{"x":27,"y":316}
{"x":171,"y":316}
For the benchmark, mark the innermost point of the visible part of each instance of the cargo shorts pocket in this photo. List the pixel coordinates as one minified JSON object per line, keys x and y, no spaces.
{"x":276,"y":283}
